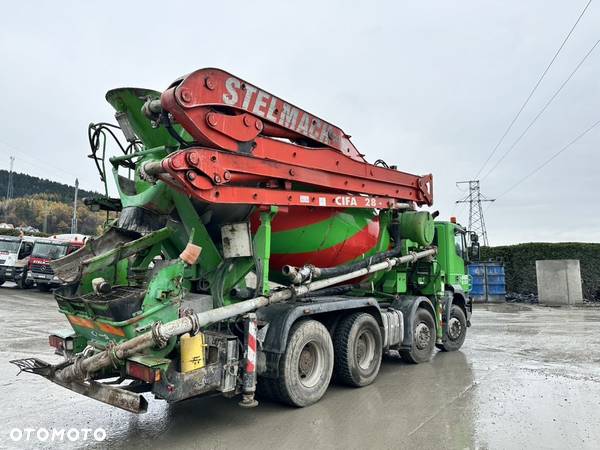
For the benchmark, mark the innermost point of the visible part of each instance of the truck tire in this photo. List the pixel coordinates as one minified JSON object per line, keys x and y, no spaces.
{"x":43,"y":287}
{"x":423,"y":338}
{"x":23,"y":283}
{"x":306,"y":366}
{"x":2,"y":281}
{"x":358,"y":350}
{"x":456,"y":330}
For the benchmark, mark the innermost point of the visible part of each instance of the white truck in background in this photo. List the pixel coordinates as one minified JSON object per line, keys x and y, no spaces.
{"x":14,"y":259}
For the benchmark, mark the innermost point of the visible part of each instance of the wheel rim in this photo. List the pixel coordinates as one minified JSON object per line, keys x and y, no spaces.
{"x":310,"y":364}
{"x":454,"y":328}
{"x":422,"y":336}
{"x":365,"y":349}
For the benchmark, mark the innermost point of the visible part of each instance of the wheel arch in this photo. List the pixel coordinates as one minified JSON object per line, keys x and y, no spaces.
{"x":408,"y":305}
{"x":456,"y":296}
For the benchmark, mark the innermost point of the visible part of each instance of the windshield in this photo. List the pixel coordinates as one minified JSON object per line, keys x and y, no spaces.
{"x":9,"y":246}
{"x":49,"y":250}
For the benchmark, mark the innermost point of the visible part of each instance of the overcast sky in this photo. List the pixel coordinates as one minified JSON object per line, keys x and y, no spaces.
{"x":429,"y":86}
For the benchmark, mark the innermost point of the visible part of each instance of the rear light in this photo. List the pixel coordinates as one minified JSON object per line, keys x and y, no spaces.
{"x":141,"y":372}
{"x":56,"y":342}
{"x":59,"y":343}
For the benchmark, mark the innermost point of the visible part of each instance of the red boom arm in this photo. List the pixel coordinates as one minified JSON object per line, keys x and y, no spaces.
{"x":242,"y":155}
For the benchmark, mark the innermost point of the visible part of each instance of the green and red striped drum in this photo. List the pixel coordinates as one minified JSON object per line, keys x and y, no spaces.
{"x":324,"y":237}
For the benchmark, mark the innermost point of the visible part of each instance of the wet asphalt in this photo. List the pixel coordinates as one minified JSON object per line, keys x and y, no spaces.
{"x":527,"y":377}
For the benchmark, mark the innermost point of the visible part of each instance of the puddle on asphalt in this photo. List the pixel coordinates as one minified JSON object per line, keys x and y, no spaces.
{"x":509,"y":308}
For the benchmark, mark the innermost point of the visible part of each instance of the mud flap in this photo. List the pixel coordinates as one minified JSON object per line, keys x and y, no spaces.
{"x":114,"y":396}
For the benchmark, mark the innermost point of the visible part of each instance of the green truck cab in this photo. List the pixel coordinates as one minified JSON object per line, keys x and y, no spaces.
{"x":453,"y":254}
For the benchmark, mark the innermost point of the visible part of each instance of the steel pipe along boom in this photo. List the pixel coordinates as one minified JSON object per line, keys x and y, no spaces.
{"x":163,"y":332}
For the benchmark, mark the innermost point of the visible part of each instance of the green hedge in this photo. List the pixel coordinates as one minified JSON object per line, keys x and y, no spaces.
{"x":13,"y":232}
{"x":519,"y":262}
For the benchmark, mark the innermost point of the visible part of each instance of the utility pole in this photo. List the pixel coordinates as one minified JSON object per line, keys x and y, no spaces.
{"x":45,"y":225}
{"x":9,"y":188}
{"x":74,"y":220}
{"x":474,"y":199}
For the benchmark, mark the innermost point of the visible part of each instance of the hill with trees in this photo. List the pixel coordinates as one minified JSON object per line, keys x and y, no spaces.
{"x":46,"y":205}
{"x":25,"y":185}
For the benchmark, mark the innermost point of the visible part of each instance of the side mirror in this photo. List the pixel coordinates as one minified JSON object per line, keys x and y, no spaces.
{"x":474,"y":251}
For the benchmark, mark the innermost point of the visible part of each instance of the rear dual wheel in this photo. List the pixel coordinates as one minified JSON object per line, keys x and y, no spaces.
{"x":358,"y":349}
{"x":306,"y":366}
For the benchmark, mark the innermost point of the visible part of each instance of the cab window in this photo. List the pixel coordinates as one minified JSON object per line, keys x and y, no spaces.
{"x":460,"y":244}
{"x":25,"y":251}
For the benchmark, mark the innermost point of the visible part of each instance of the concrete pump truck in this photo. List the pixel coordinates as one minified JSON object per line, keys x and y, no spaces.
{"x":251,"y":247}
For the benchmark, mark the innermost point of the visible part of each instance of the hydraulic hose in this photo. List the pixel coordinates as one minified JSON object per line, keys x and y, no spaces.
{"x":308,"y":272}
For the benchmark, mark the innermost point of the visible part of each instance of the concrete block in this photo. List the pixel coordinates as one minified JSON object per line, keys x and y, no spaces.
{"x":559,"y":281}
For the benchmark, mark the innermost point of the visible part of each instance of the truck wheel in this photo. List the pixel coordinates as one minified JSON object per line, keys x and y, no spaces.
{"x":306,"y":366}
{"x":43,"y":287}
{"x":23,"y":283}
{"x":2,"y":281}
{"x":423,"y":338}
{"x":456,"y":330}
{"x":357,"y":349}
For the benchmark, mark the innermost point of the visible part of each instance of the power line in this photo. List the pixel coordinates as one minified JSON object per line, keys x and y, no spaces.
{"x":474,"y":199}
{"x":547,"y":161}
{"x":44,"y":166}
{"x":512,"y":122}
{"x":29,"y":160}
{"x":454,"y":207}
{"x":564,"y":83}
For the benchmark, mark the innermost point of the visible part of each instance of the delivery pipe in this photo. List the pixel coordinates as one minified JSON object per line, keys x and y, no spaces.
{"x":161,"y":333}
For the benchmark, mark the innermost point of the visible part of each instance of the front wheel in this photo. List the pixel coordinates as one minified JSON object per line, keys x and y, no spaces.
{"x":358,"y":349}
{"x":306,"y":366}
{"x":23,"y":282}
{"x":456,"y":330}
{"x":423,"y":338}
